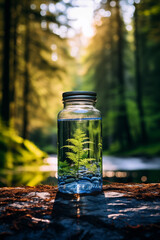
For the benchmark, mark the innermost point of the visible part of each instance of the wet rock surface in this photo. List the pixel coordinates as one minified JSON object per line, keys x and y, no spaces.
{"x":120,"y":211}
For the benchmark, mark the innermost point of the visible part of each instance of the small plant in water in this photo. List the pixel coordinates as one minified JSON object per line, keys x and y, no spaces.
{"x":78,"y":155}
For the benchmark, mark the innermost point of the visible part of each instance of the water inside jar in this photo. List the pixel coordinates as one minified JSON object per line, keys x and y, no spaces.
{"x":79,"y":155}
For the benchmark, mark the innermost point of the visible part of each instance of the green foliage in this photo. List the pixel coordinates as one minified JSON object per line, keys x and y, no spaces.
{"x":22,"y":176}
{"x":139,"y":53}
{"x":149,"y":40}
{"x":78,"y":155}
{"x":51,"y":70}
{"x":63,"y":168}
{"x":45,"y":139}
{"x":107,"y":76}
{"x":47,"y":67}
{"x":15,"y":151}
{"x":150,"y":150}
{"x":50,"y":149}
{"x":146,"y":150}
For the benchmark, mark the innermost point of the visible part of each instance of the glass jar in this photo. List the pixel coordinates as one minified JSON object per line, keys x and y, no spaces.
{"x":79,"y":144}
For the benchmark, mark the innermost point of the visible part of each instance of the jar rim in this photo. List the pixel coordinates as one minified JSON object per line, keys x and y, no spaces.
{"x":79,"y":95}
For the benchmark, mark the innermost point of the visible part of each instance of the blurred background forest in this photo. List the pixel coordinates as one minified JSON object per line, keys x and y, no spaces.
{"x":48,"y":47}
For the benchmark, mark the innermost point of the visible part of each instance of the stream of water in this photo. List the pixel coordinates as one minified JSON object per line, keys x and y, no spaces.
{"x":115,"y":169}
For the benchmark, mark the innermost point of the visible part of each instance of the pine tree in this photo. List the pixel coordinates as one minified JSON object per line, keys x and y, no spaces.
{"x":123,"y":128}
{"x":107,"y":72}
{"x":139,"y":83}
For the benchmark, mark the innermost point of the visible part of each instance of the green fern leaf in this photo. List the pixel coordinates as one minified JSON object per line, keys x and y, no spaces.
{"x":77,"y":154}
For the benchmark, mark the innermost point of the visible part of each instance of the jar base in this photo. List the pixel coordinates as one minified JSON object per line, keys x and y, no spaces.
{"x":80,"y":186}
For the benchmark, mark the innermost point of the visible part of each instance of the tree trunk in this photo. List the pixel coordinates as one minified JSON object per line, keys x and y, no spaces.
{"x":26,"y":75}
{"x":123,"y":124}
{"x":5,"y":108}
{"x":144,"y":136}
{"x":15,"y":17}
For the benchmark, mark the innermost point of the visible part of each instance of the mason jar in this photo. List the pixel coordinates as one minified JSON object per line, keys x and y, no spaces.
{"x":79,"y":144}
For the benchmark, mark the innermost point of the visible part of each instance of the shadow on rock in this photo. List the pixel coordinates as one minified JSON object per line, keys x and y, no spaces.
{"x":81,"y":217}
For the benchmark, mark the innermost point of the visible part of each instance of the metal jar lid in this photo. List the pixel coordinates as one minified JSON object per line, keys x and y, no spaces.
{"x":79,"y":95}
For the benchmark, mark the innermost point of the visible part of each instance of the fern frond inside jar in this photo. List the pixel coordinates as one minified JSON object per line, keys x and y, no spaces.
{"x":79,"y":144}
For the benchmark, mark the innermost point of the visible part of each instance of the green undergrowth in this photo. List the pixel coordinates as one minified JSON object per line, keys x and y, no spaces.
{"x":50,"y":149}
{"x":150,"y":150}
{"x":15,"y":151}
